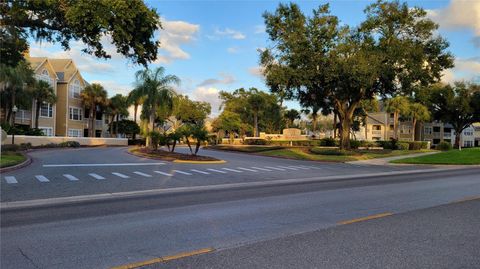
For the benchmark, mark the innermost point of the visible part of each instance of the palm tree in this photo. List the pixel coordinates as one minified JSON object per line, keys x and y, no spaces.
{"x":118,"y":107}
{"x":135,"y":98}
{"x":14,"y":85}
{"x":256,"y":102}
{"x":418,"y":112}
{"x":42,"y":93}
{"x":93,"y":96}
{"x":290,"y":116}
{"x":158,"y":92}
{"x":398,"y":106}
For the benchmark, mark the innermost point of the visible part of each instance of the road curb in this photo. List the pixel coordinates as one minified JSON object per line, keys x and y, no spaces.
{"x":142,"y":155}
{"x":25,"y":163}
{"x":186,"y":190}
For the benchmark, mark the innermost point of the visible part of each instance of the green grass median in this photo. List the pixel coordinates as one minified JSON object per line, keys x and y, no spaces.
{"x":11,"y":158}
{"x":469,"y":156}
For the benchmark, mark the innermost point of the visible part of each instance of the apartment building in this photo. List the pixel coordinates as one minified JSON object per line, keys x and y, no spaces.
{"x":380,"y":127}
{"x":68,"y":116}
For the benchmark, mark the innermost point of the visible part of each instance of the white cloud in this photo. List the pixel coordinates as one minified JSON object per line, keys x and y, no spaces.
{"x":230,"y":33}
{"x":232,"y":50}
{"x":259,"y":29}
{"x":459,"y":14}
{"x":210,"y":95}
{"x":465,"y":69}
{"x":225,"y":79}
{"x":113,"y":87}
{"x":172,"y":37}
{"x":256,"y":71}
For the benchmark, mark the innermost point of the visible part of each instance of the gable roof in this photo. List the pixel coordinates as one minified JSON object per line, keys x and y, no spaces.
{"x":65,"y":69}
{"x":37,"y":62}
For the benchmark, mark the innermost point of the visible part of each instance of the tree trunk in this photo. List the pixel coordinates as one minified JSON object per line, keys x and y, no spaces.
{"x":37,"y":113}
{"x":197,"y":147}
{"x":255,"y":124}
{"x":414,"y":122}
{"x":345,"y":116}
{"x":11,"y":107}
{"x":334,"y":124}
{"x":314,"y":123}
{"x":135,"y":108}
{"x":232,"y":137}
{"x":188,"y":144}
{"x":9,"y":114}
{"x":458,"y":136}
{"x":173,"y":145}
{"x":116,"y":125}
{"x":93,"y":118}
{"x":395,"y":125}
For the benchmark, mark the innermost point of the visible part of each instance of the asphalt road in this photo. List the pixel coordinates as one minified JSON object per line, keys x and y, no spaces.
{"x":87,"y":171}
{"x":441,"y":237}
{"x":103,"y":234}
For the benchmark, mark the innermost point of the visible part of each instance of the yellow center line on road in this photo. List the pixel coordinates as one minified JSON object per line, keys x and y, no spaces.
{"x":165,"y":259}
{"x":365,"y":218}
{"x":467,"y":199}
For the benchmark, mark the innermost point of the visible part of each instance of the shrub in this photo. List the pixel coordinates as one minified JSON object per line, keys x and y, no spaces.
{"x":155,"y":138}
{"x":10,"y":147}
{"x":444,"y":146}
{"x":417,"y":145}
{"x":25,"y":146}
{"x":69,"y":144}
{"x":255,"y":141}
{"x":403,"y":146}
{"x":328,"y":142}
{"x":354,"y":144}
{"x":385,"y":144}
{"x":137,"y":142}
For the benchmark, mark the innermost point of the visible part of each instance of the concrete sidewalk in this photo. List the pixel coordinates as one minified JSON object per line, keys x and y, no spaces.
{"x":386,"y":161}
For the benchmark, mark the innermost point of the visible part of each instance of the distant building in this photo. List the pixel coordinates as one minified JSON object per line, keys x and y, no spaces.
{"x":68,"y":116}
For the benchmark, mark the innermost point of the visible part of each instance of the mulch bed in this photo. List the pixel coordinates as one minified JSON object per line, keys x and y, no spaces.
{"x":171,"y":156}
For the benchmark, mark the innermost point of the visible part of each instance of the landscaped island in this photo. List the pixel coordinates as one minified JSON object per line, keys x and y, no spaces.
{"x":160,"y":154}
{"x":11,"y":158}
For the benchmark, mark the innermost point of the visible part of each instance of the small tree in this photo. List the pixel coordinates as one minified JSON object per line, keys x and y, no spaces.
{"x":290,"y":116}
{"x":399,"y":106}
{"x":229,"y":122}
{"x":42,"y":93}
{"x":418,"y":113}
{"x":93,"y":95}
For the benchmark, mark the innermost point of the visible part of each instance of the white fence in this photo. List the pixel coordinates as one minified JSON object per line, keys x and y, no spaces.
{"x":84,"y":141}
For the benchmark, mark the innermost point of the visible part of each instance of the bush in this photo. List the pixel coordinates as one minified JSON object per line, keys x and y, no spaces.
{"x":444,"y":146}
{"x":328,"y":142}
{"x":69,"y":144}
{"x":136,"y":142}
{"x":417,"y":145}
{"x":403,"y":146}
{"x":255,"y":141}
{"x":354,"y":144}
{"x":155,"y":138}
{"x":10,"y":147}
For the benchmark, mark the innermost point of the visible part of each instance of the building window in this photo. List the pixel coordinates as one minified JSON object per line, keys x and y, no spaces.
{"x":75,"y":113}
{"x":468,"y":133}
{"x":47,"y":131}
{"x":46,"y":110}
{"x":75,"y":89}
{"x":468,"y":143}
{"x":377,"y":127}
{"x":428,"y":130}
{"x":74,"y":132}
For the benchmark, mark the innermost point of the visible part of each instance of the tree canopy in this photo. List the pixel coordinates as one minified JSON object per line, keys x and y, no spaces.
{"x":318,"y":60}
{"x":131,"y":26}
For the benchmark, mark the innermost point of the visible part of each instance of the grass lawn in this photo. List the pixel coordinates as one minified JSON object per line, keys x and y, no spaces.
{"x":464,"y":156}
{"x":11,"y":158}
{"x":316,"y":154}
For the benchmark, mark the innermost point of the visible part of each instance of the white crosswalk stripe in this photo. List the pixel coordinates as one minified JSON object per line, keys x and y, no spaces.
{"x":42,"y":178}
{"x":288,"y":167}
{"x":261,"y":169}
{"x":11,"y":180}
{"x":246,"y":169}
{"x":301,"y":167}
{"x":201,"y":172}
{"x":142,"y":174}
{"x":232,"y":170}
{"x":96,"y":176}
{"x":314,"y":167}
{"x":163,"y":173}
{"x":275,"y":168}
{"x":120,"y":175}
{"x":181,"y":172}
{"x":218,"y":171}
{"x":70,"y":177}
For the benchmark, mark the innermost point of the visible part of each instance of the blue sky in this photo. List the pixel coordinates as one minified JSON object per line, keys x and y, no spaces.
{"x":212,"y":45}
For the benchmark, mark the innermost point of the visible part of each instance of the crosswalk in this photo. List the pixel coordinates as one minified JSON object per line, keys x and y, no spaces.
{"x":171,"y":173}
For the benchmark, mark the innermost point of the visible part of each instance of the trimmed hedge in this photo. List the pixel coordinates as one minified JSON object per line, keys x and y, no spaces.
{"x":403,"y":146}
{"x":417,"y":145}
{"x":333,"y":152}
{"x":255,"y":141}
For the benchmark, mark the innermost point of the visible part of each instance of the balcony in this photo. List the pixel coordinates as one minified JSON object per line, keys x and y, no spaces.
{"x":436,"y":135}
{"x":377,"y":132}
{"x":23,"y":117}
{"x":447,"y":135}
